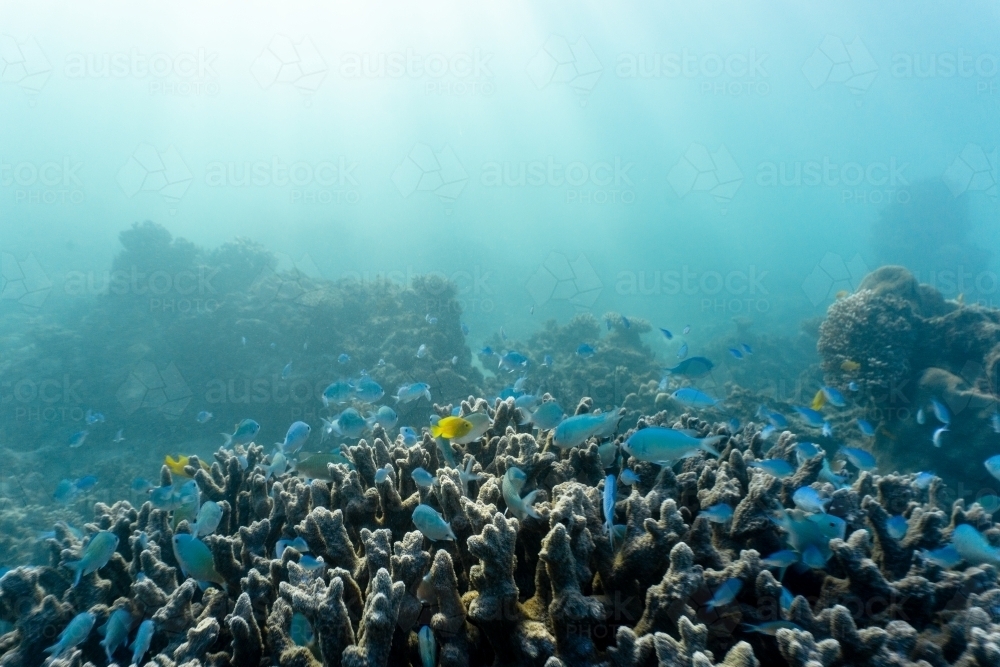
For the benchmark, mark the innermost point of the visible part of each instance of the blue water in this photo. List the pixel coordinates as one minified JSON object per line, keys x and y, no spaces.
{"x":341,"y":96}
{"x":681,"y":163}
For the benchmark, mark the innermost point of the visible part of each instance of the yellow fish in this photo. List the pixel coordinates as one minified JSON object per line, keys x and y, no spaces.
{"x":849,"y":366}
{"x":841,"y":294}
{"x":451,"y":428}
{"x":819,"y":400}
{"x":176,"y":466}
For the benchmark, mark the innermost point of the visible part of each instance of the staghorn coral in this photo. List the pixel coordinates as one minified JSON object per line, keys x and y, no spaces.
{"x":543,"y":591}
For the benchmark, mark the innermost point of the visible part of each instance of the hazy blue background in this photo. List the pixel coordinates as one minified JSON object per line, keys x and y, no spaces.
{"x":247,"y":102}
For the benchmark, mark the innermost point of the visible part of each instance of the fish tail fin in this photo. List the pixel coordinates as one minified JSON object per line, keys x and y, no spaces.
{"x":436,"y":431}
{"x":77,"y":567}
{"x":706,"y":445}
{"x":229,"y":439}
{"x":527,"y":502}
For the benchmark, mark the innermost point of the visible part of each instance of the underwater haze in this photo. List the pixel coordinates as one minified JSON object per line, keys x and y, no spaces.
{"x":534,"y":333}
{"x":389,"y":139}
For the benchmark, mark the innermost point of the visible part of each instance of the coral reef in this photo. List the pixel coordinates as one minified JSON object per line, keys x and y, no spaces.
{"x":548,"y":590}
{"x":622,"y":371}
{"x":172,"y":330}
{"x":903,"y":346}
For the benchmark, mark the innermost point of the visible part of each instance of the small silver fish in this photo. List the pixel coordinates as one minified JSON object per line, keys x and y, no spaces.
{"x":115,"y":631}
{"x":923,"y":479}
{"x":143,"y":638}
{"x":628,"y":477}
{"x":771,"y":627}
{"x":775,"y":467}
{"x":897,"y":527}
{"x":432,"y":525}
{"x":196,"y":559}
{"x":941,"y":411}
{"x":781,"y":559}
{"x":209,"y":517}
{"x":859,"y":458}
{"x":298,"y":544}
{"x":808,"y":499}
{"x":725,"y":594}
{"x":660,"y":445}
{"x":409,"y":436}
{"x":510,"y":488}
{"x":96,"y":555}
{"x":422,"y":478}
{"x":428,"y":646}
{"x":610,"y":491}
{"x":973,"y":546}
{"x":719,"y":513}
{"x":946,"y":557}
{"x":73,"y":634}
